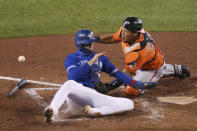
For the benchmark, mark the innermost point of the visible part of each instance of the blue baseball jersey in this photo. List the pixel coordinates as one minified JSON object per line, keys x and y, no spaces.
{"x":78,"y":69}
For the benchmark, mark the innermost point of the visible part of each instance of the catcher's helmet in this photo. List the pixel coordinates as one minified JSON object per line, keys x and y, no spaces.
{"x":132,"y":24}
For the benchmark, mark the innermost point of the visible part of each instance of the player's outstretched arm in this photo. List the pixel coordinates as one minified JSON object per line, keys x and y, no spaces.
{"x":111,"y":69}
{"x":106,"y":39}
{"x":111,"y":38}
{"x":131,"y":82}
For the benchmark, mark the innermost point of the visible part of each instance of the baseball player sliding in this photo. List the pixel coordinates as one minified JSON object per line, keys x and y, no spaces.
{"x":144,"y":61}
{"x":84,"y":68}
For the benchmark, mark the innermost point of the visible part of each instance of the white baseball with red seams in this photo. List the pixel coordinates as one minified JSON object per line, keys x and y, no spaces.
{"x":21,"y":59}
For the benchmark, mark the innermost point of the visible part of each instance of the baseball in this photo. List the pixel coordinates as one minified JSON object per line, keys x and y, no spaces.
{"x":21,"y":58}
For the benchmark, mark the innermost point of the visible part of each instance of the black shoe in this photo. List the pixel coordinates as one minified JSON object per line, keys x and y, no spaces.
{"x":48,"y":114}
{"x":185,"y":72}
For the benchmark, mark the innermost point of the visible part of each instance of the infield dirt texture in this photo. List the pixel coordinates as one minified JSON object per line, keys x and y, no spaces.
{"x":44,"y":62}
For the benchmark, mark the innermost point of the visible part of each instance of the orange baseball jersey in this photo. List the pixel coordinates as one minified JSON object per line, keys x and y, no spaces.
{"x":143,"y":54}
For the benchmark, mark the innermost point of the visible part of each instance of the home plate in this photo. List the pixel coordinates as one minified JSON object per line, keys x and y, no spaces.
{"x":182,"y":100}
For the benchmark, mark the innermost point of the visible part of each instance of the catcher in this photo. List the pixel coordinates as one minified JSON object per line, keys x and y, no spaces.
{"x":144,"y":61}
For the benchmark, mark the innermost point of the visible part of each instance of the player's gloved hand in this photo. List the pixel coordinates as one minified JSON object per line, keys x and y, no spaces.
{"x":102,"y":88}
{"x":143,"y":85}
{"x":98,"y":38}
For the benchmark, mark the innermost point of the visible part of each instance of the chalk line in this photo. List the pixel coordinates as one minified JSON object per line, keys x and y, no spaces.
{"x":31,"y":81}
{"x":33,"y":93}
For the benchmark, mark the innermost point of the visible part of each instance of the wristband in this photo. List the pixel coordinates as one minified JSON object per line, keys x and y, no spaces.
{"x":133,"y":82}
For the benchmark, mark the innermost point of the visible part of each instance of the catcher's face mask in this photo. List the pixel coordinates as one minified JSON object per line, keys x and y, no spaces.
{"x":129,"y":37}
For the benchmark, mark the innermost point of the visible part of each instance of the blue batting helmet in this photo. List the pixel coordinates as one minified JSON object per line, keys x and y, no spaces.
{"x":84,"y":37}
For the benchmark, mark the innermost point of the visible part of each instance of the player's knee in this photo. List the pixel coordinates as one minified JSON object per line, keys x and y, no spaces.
{"x":130,"y":104}
{"x":69,"y":82}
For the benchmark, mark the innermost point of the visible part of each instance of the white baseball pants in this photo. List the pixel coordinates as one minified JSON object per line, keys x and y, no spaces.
{"x":77,"y":94}
{"x":155,"y":75}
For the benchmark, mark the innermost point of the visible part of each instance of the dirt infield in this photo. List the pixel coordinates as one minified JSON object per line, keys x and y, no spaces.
{"x":45,"y":62}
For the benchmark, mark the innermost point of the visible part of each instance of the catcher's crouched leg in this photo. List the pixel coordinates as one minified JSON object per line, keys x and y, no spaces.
{"x":131,"y":92}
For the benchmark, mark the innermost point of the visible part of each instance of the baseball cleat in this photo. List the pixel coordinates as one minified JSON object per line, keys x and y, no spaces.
{"x":48,"y":114}
{"x":87,"y":109}
{"x":185,"y":70}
